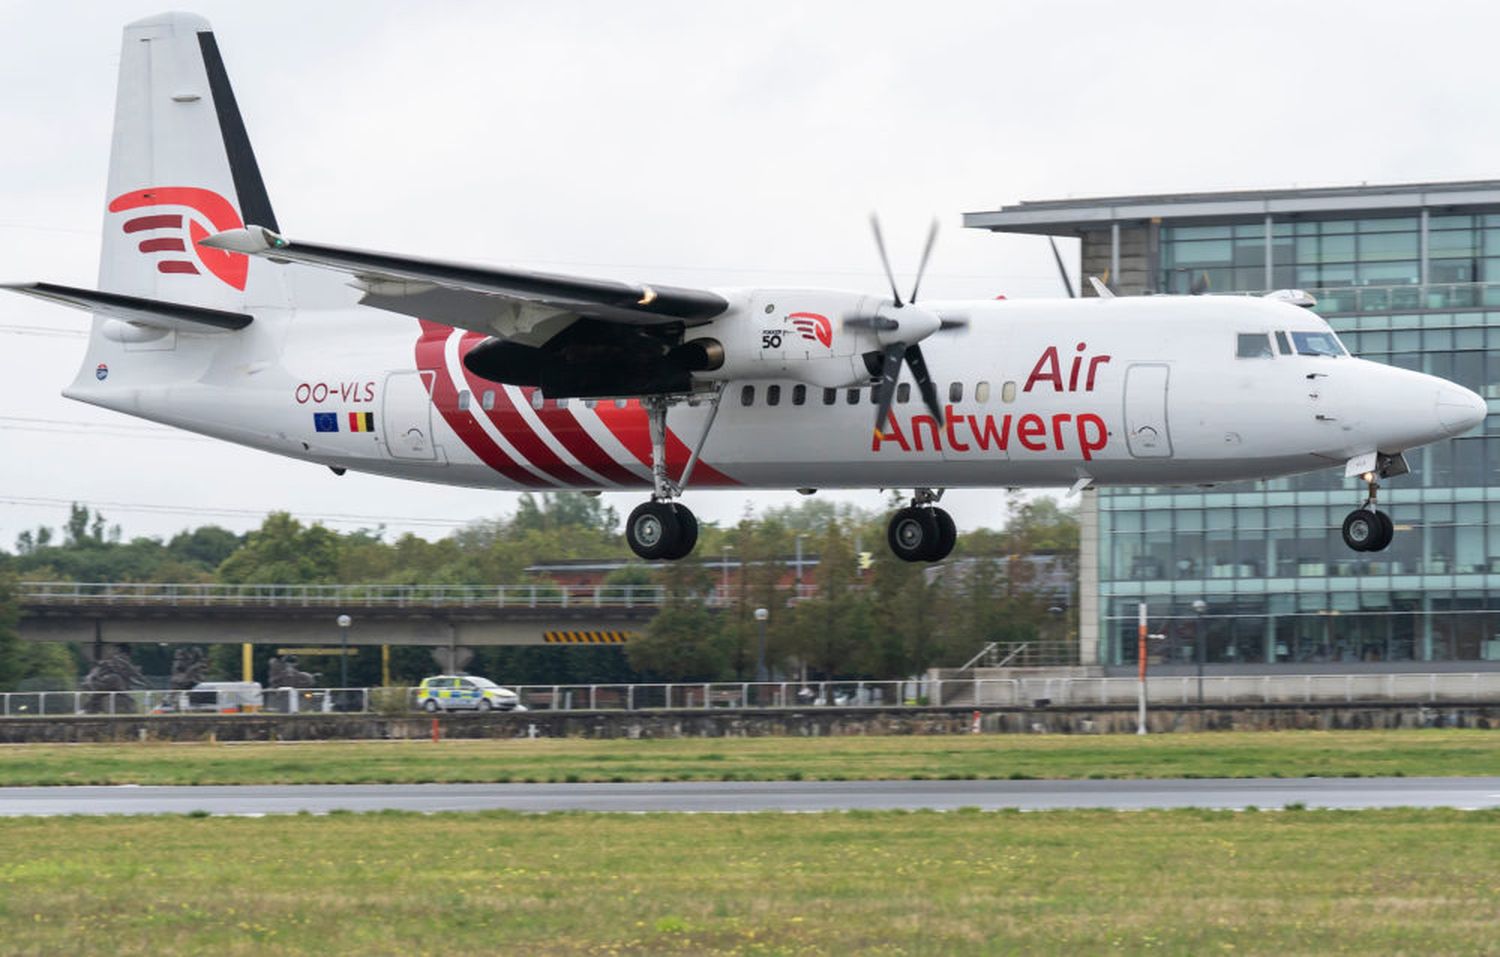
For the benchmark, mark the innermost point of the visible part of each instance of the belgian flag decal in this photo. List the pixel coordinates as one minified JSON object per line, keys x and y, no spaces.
{"x":361,"y":421}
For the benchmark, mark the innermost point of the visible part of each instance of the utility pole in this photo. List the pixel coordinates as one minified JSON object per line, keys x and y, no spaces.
{"x":1199,"y":607}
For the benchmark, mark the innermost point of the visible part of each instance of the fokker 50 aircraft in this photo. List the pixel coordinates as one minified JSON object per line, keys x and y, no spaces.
{"x":209,"y":318}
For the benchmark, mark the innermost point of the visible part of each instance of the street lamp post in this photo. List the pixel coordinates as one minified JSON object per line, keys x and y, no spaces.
{"x":344,"y":622}
{"x":724,"y":568}
{"x":1199,"y":607}
{"x":761,"y":615}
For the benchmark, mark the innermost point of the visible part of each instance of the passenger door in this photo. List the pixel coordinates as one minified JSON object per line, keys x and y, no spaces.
{"x":1146,"y":428}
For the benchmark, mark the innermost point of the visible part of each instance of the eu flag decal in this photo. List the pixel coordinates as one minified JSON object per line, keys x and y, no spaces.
{"x":326,"y":421}
{"x":361,"y":421}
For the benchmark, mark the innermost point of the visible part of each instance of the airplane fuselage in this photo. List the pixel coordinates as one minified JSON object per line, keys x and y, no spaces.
{"x":1043,"y":393}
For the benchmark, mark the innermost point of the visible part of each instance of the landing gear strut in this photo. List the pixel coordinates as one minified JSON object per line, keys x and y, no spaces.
{"x":663,"y":528}
{"x":922,"y":532}
{"x":1367,"y":529}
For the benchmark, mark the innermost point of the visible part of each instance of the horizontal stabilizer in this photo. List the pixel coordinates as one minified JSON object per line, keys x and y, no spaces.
{"x":135,"y":309}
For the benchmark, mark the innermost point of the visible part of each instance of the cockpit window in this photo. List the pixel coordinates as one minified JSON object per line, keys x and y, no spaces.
{"x":1282,"y":343}
{"x":1254,"y":345}
{"x":1317,"y":344}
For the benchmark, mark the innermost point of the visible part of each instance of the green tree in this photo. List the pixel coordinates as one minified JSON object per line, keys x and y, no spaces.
{"x":685,"y":641}
{"x":284,"y":551}
{"x":12,"y":667}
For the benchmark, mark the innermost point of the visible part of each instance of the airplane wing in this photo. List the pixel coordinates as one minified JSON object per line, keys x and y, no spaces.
{"x":517,"y":305}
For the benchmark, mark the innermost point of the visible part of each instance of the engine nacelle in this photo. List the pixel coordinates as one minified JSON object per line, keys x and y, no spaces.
{"x":792,"y":334}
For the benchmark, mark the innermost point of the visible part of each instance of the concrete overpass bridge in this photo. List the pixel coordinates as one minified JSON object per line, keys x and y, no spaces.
{"x":433,"y":615}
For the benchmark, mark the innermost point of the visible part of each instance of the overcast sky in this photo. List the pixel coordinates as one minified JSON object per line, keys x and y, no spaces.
{"x":694,"y":143}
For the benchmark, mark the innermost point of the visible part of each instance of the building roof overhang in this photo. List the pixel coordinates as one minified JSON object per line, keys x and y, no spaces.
{"x":1068,"y":217}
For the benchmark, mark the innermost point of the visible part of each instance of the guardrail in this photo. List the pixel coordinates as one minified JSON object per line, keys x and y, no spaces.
{"x":529,"y":595}
{"x":1425,"y":688}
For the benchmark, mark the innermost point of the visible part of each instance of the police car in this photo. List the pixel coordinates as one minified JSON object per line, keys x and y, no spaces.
{"x":455,"y":692}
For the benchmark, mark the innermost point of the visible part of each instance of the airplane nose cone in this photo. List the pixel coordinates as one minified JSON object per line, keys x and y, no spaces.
{"x":1459,"y":410}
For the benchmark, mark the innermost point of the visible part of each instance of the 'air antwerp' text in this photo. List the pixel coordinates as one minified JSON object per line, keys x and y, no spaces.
{"x":1033,"y":433}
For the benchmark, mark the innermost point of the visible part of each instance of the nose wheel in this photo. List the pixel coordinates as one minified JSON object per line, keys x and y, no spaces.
{"x":1367,"y":529}
{"x":922,"y":532}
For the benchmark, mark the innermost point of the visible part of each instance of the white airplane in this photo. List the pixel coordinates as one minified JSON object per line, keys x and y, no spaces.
{"x":209,"y":319}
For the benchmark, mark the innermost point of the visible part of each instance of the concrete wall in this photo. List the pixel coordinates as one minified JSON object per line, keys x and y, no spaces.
{"x":821,"y":722}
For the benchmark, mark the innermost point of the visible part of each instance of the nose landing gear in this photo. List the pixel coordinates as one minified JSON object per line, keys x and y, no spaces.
{"x":1367,"y":529}
{"x":922,"y":532}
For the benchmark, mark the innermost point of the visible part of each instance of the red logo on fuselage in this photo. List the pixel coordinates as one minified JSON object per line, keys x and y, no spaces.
{"x":231,"y":268}
{"x":813,"y":327}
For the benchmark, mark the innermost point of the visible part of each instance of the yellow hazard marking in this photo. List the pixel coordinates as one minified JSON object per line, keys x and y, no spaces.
{"x":587,"y":637}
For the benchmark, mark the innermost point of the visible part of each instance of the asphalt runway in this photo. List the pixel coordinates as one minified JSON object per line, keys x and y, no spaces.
{"x":742,"y":796}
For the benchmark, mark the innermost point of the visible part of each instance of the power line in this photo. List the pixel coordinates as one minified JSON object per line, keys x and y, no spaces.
{"x":332,"y":518}
{"x":121,"y":430}
{"x":50,"y":331}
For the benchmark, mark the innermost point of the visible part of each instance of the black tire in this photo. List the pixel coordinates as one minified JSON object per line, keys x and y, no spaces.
{"x":1387,"y":533}
{"x":1362,"y":529}
{"x":687,"y":533}
{"x":947,"y":536}
{"x":484,"y":706}
{"x":431,"y":706}
{"x":912,"y":534}
{"x":652,"y":530}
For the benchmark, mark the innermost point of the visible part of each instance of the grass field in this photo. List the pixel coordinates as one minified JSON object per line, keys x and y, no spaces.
{"x":1180,"y":882}
{"x":1215,"y":754}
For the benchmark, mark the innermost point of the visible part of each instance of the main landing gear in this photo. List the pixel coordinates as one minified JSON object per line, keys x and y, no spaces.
{"x":663,"y":529}
{"x":1367,"y":529}
{"x":922,"y":532}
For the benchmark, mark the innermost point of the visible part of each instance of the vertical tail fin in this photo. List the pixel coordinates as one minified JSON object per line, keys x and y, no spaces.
{"x":181,"y":169}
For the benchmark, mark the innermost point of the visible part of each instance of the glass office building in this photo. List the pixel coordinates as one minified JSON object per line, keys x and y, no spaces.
{"x":1407,"y":275}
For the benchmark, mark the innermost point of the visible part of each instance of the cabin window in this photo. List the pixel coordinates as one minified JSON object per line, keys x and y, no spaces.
{"x":874,"y":395}
{"x":1317,"y":344}
{"x":562,"y":403}
{"x":773,"y":395}
{"x":747,"y":395}
{"x":621,"y":403}
{"x":590,"y":403}
{"x":537,"y":399}
{"x":1282,"y":344}
{"x":853,"y":397}
{"x":463,"y":401}
{"x":903,"y":393}
{"x":799,"y":395}
{"x":955,"y":392}
{"x":830,"y":396}
{"x":1253,"y":345}
{"x":487,"y":401}
{"x":1008,"y":392}
{"x":982,"y":393}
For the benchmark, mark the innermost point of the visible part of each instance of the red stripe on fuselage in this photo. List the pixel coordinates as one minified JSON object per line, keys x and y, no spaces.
{"x":565,"y":427}
{"x":430,"y":349}
{"x":632,"y":427}
{"x":513,"y":425}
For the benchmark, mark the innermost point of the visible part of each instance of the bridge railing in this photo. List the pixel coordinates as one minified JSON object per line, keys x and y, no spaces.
{"x":1416,"y":688}
{"x":526,"y":595}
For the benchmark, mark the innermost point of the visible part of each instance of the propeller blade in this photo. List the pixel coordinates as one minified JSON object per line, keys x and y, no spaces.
{"x":924,"y":382}
{"x":885,"y":392}
{"x":1061,"y":270}
{"x":884,"y":260}
{"x":932,"y":232}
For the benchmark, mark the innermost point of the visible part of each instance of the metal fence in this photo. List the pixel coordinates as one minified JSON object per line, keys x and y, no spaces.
{"x":978,"y":693}
{"x":531,"y":595}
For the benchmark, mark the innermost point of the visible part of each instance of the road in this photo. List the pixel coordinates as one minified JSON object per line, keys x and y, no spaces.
{"x":738,"y":796}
